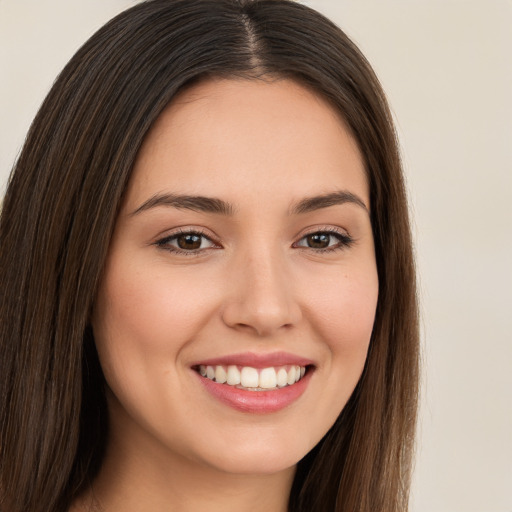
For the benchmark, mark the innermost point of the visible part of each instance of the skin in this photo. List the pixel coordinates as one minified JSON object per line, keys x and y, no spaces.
{"x":254,"y":285}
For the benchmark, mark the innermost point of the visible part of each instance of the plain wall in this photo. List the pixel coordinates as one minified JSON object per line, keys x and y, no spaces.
{"x":446,"y":66}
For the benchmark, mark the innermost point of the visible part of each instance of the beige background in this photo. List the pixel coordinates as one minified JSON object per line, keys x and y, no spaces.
{"x":446,"y":65}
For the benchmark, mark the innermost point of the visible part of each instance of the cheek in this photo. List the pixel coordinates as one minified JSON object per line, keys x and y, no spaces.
{"x":142,"y":320}
{"x":142,"y":311}
{"x":344,"y":319}
{"x":345,"y":310}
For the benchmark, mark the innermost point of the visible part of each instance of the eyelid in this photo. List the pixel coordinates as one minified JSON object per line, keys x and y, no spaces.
{"x":163,"y":241}
{"x":322,"y":228}
{"x":345,"y":239}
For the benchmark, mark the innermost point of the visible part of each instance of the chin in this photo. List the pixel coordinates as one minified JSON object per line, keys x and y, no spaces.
{"x":257,"y":462}
{"x":261,"y":449}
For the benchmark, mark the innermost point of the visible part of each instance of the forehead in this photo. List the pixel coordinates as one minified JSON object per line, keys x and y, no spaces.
{"x":252,"y":137}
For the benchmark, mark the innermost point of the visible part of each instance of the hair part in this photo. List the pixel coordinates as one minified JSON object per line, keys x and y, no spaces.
{"x":59,"y":213}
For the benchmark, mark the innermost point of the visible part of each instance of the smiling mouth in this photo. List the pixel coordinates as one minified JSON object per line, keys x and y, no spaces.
{"x":253,"y":379}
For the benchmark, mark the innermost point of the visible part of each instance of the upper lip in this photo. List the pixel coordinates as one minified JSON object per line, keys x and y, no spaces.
{"x":255,"y":360}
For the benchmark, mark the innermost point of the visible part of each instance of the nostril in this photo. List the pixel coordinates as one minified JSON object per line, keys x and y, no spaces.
{"x":262,"y":306}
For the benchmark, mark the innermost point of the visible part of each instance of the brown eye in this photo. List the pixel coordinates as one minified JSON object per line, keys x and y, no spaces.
{"x":318,"y":240}
{"x":186,"y":243}
{"x":325,"y":241}
{"x":189,"y":242}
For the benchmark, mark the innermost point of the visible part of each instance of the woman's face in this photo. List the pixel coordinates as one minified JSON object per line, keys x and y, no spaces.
{"x":242,"y":260}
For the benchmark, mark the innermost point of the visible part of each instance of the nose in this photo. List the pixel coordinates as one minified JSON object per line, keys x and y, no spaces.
{"x":262,"y":299}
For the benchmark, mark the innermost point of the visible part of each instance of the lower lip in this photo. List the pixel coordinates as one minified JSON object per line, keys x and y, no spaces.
{"x":259,"y":402}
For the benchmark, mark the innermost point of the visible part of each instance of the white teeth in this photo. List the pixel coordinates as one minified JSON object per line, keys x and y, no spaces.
{"x":252,"y":378}
{"x":291,"y":375}
{"x":220,"y":375}
{"x":282,"y":377}
{"x":268,"y":378}
{"x":233,"y":376}
{"x":249,"y":377}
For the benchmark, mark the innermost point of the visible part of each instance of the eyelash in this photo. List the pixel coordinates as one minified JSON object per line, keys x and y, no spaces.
{"x":164,"y":243}
{"x":344,"y":241}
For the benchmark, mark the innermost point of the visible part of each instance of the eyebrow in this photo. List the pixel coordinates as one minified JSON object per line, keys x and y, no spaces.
{"x":187,"y":202}
{"x":324,"y":201}
{"x":221,"y":207}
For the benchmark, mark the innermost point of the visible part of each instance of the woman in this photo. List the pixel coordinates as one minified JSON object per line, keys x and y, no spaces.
{"x":207,"y":291}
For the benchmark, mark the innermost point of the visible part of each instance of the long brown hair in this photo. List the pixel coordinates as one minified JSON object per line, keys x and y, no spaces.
{"x":61,"y":205}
